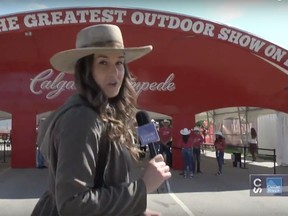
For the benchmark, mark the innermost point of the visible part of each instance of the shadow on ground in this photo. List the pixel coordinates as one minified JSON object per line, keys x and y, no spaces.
{"x":232,"y":179}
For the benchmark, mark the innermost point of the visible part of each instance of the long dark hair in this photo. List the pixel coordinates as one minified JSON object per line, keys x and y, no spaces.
{"x":218,"y":137}
{"x":118,"y":112}
{"x":253,"y":133}
{"x":185,"y":138}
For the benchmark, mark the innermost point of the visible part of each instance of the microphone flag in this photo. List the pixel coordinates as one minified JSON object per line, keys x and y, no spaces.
{"x":148,"y":133}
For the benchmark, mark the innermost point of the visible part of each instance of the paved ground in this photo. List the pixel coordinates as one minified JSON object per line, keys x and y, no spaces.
{"x":204,"y":195}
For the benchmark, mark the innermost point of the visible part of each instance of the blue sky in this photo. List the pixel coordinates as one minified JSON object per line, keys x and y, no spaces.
{"x":267,"y":19}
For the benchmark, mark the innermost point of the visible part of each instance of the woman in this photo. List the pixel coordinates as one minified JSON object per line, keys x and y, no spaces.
{"x":219,"y":148}
{"x":187,"y":152}
{"x":87,"y":142}
{"x":253,"y":144}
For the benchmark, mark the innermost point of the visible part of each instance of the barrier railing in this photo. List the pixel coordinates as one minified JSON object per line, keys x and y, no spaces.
{"x":5,"y":147}
{"x":206,"y":146}
{"x":245,"y":151}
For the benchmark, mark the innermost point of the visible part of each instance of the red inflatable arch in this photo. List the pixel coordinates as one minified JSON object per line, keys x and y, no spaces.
{"x":196,"y":65}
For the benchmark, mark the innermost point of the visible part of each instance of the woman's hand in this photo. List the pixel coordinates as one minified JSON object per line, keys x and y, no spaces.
{"x":156,"y":173}
{"x":149,"y":212}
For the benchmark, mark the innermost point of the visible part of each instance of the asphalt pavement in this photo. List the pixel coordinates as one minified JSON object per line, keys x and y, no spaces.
{"x":204,"y":195}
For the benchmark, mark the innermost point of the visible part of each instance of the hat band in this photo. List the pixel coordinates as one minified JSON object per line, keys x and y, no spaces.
{"x":112,"y":44}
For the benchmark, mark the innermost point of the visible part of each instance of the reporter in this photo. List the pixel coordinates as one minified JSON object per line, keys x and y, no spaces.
{"x":87,"y":141}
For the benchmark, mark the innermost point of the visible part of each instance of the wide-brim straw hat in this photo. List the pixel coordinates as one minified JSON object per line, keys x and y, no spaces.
{"x":93,"y":40}
{"x":185,"y":131}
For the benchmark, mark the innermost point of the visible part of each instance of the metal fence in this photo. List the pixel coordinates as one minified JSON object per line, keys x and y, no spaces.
{"x":5,"y":150}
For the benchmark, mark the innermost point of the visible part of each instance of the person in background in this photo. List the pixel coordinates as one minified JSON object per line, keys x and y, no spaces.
{"x":165,"y":134}
{"x":87,"y":142}
{"x":187,"y":152}
{"x":197,"y":141}
{"x":220,"y":145}
{"x":253,"y":144}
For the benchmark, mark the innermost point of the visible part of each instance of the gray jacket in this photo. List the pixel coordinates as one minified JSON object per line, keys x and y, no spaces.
{"x":69,"y":140}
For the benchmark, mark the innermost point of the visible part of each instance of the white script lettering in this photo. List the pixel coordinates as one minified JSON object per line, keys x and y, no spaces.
{"x":167,"y":85}
{"x":44,"y":82}
{"x":54,"y":87}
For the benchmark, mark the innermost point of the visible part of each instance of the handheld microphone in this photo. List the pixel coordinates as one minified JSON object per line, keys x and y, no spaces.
{"x":143,"y":119}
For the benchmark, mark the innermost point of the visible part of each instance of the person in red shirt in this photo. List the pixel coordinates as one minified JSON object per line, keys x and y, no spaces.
{"x":165,"y":134}
{"x":197,"y":141}
{"x":219,"y":147}
{"x":187,"y":152}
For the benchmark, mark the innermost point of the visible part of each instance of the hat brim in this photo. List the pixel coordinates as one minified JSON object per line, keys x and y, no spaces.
{"x":65,"y":61}
{"x":184,"y":132}
{"x":219,"y":134}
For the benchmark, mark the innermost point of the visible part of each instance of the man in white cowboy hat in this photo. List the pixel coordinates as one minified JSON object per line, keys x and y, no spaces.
{"x":87,"y":141}
{"x":197,"y":141}
{"x":220,"y":145}
{"x":187,"y":152}
{"x":165,"y":134}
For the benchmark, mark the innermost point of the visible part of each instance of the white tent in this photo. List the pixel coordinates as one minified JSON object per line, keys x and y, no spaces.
{"x":236,"y":122}
{"x":273,"y":133}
